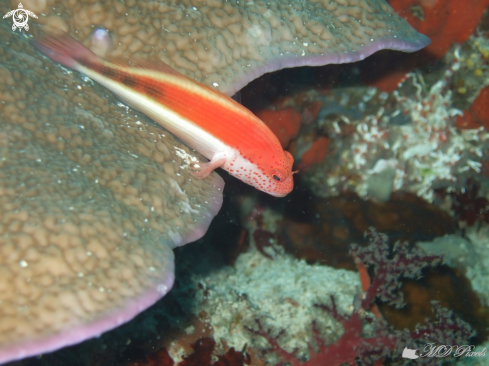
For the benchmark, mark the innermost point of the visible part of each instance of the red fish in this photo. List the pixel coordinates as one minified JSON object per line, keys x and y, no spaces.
{"x":219,"y":128}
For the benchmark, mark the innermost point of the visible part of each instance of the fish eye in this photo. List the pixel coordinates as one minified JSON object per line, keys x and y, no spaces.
{"x":278,"y":174}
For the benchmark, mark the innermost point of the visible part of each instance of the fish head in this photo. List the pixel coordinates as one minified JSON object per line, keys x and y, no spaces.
{"x":269,"y":173}
{"x":280,"y":181}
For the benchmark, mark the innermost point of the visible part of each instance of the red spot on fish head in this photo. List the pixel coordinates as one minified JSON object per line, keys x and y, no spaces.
{"x":280,"y":181}
{"x":271,"y":174}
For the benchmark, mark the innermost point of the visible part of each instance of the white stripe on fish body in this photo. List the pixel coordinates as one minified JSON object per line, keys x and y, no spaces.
{"x":193,"y":135}
{"x":182,"y":82}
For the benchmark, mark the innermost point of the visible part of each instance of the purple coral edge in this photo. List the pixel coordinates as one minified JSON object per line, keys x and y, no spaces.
{"x":94,"y":329}
{"x":114,"y":319}
{"x":214,"y":207}
{"x":293,"y":60}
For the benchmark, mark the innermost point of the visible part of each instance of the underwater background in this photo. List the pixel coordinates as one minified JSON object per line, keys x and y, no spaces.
{"x":382,"y":244}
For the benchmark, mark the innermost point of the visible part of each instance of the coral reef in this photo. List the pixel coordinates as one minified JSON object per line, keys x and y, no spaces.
{"x":449,"y":288}
{"x":478,"y":114}
{"x":226,"y":44}
{"x":383,"y":342}
{"x":321,"y":230}
{"x":93,"y":197}
{"x":212,"y":299}
{"x":473,"y":73}
{"x":284,"y":123}
{"x":478,"y":272}
{"x":476,"y":269}
{"x":445,"y":22}
{"x":202,"y":354}
{"x":325,"y":233}
{"x":408,"y":140}
{"x":260,"y":287}
{"x":316,"y":152}
{"x":103,"y":155}
{"x":469,"y":207}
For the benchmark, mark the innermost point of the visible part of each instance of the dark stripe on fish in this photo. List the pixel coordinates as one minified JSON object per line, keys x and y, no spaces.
{"x":142,"y":84}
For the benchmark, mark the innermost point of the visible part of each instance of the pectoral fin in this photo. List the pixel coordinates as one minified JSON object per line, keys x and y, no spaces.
{"x":202,"y":170}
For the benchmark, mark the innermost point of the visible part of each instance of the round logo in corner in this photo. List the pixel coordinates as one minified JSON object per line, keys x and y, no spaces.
{"x":20,"y":17}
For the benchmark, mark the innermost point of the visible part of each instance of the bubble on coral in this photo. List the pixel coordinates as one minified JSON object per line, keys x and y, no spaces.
{"x":100,"y":42}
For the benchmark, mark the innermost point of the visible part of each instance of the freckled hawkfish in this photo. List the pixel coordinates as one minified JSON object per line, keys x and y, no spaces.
{"x":219,"y":128}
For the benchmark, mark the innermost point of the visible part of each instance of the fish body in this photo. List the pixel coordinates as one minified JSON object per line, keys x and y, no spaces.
{"x":219,"y":128}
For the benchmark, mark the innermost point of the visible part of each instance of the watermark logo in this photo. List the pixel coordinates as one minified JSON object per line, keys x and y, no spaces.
{"x":20,"y":17}
{"x":441,"y":351}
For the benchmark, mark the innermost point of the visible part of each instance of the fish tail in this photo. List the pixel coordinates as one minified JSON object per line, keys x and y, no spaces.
{"x":63,"y":49}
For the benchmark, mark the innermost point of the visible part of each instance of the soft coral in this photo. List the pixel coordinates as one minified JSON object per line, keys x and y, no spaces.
{"x":385,"y":342}
{"x":470,"y":207}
